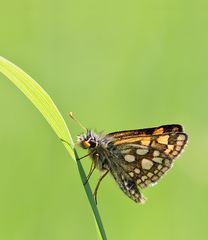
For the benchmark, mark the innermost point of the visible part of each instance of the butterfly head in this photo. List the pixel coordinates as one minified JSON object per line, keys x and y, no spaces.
{"x":88,"y":140}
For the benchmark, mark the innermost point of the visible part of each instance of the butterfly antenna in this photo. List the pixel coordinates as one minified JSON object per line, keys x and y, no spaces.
{"x":76,"y":120}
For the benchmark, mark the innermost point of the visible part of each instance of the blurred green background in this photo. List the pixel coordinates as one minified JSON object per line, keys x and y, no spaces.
{"x":118,"y":65}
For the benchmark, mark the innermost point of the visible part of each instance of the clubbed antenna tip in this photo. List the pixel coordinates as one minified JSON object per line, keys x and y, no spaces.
{"x":76,"y":120}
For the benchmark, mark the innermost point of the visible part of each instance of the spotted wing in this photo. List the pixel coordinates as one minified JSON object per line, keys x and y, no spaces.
{"x":125,"y":182}
{"x":147,"y":156}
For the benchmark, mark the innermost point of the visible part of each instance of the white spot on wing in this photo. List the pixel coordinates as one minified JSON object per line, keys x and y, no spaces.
{"x":175,"y":153}
{"x":157,"y":159}
{"x":144,"y":178}
{"x":167,"y":162}
{"x":160,"y":174}
{"x":142,"y":151}
{"x":131,"y":174}
{"x":180,"y":143}
{"x":126,"y":151}
{"x":155,"y":178}
{"x":138,"y":181}
{"x":181,"y":137}
{"x":132,"y":191}
{"x":146,"y":163}
{"x":178,"y":148}
{"x":156,"y":153}
{"x":147,"y":182}
{"x":164,"y":169}
{"x":136,"y":170}
{"x":129,"y":158}
{"x":149,"y":174}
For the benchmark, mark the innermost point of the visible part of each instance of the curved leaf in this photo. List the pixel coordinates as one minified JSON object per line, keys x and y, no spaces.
{"x":43,"y":102}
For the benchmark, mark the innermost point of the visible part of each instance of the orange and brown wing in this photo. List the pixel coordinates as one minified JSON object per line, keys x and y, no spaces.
{"x":148,"y":131}
{"x":147,"y":157}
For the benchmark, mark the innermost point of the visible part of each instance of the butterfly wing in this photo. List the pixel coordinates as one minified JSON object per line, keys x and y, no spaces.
{"x":147,"y":154}
{"x":147,"y":131}
{"x":125,"y":182}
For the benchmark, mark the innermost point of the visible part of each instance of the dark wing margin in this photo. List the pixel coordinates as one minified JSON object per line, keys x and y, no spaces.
{"x":171,"y":128}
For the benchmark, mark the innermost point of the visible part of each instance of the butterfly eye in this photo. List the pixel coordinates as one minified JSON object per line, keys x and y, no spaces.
{"x":92,"y":143}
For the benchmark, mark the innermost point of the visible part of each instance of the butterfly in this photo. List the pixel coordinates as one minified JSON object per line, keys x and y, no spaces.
{"x":135,"y":158}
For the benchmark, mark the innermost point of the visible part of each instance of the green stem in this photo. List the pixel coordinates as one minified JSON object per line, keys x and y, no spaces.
{"x":90,"y":197}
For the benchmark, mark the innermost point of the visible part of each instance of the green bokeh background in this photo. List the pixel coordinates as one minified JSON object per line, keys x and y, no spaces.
{"x":118,"y":65}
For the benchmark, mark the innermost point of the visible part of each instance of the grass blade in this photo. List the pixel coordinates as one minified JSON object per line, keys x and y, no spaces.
{"x":43,"y":102}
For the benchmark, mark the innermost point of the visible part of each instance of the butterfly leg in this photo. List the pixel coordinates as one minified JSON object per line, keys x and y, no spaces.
{"x":85,"y":156}
{"x":92,"y":168}
{"x":98,"y":184}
